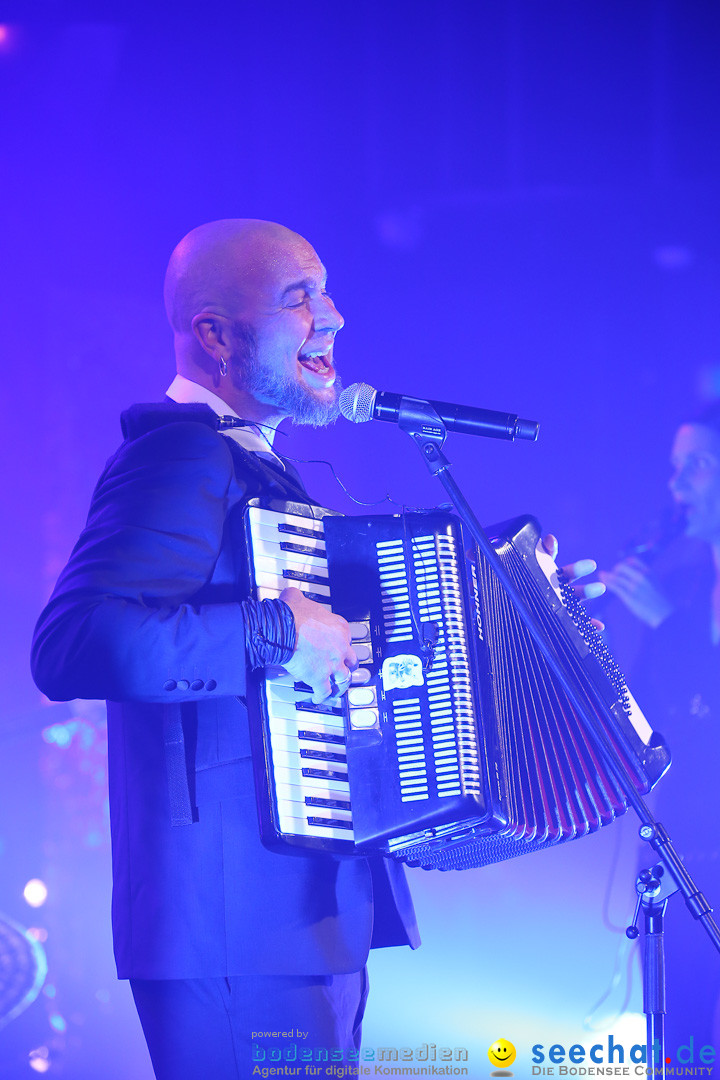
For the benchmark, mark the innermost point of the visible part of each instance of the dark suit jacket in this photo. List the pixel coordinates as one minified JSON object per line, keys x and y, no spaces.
{"x":147,"y":614}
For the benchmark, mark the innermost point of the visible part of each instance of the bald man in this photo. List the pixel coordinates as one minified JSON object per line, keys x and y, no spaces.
{"x":232,"y":950}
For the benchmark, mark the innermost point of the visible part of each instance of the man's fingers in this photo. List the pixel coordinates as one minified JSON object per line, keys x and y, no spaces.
{"x":324,"y":656}
{"x":550,"y":543}
{"x":579,"y":569}
{"x":574,"y":571}
{"x":591,"y":591}
{"x":322,"y":691}
{"x":330,"y":690}
{"x":340,"y":681}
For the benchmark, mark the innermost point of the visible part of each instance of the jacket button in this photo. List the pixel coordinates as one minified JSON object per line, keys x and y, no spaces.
{"x":183,"y":684}
{"x":210,"y":684}
{"x":170,"y":685}
{"x":197,"y":684}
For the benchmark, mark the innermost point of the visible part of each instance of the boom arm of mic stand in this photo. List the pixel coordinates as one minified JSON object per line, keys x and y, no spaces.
{"x":422,"y":423}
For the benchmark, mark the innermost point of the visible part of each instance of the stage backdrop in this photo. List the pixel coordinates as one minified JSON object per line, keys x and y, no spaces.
{"x":517,"y":205}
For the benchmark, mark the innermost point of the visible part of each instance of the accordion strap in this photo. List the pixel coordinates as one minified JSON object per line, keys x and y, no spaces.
{"x":182,"y":811}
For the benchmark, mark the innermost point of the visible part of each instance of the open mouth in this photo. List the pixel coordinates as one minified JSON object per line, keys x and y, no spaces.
{"x":319,"y":367}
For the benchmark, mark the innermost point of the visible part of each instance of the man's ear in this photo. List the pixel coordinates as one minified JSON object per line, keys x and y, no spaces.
{"x":212,"y":333}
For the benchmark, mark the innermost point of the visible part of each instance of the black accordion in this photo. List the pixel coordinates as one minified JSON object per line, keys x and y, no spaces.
{"x":459,"y":748}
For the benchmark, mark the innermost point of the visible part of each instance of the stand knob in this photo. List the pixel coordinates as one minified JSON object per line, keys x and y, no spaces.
{"x":647,"y":886}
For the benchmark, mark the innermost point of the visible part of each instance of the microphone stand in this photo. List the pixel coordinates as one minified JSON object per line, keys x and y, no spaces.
{"x":421,"y":422}
{"x":654,"y":889}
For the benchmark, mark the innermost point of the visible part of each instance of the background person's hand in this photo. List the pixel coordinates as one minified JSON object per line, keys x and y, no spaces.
{"x":632,"y":582}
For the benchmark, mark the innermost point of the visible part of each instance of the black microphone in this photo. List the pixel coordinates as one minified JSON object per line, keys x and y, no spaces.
{"x":360,"y":403}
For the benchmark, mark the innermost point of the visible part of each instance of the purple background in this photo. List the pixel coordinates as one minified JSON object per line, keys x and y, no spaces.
{"x":517,"y":203}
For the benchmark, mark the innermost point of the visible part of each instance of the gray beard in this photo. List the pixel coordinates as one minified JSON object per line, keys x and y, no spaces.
{"x":295,"y":399}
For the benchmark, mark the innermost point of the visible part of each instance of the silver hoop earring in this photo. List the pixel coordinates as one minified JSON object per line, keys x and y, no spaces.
{"x":223,"y":365}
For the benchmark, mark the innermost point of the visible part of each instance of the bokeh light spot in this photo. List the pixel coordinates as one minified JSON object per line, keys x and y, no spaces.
{"x":39,"y":1059}
{"x":35,"y":892}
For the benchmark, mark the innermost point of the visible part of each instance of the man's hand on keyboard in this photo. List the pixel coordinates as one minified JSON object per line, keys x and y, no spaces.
{"x":324,"y":657}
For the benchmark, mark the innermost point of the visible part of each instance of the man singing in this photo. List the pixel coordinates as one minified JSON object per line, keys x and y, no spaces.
{"x":221,"y":938}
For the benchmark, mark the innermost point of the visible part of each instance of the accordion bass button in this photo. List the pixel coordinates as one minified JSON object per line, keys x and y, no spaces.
{"x":361,"y":696}
{"x":363,"y":718}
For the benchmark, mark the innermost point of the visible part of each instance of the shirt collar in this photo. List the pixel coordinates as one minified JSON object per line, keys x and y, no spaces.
{"x":186,"y":392}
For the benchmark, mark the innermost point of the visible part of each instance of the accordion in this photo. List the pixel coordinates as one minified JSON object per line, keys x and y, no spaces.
{"x":459,"y":748}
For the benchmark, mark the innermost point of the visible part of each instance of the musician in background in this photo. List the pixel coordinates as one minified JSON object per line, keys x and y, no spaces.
{"x":677,"y":683}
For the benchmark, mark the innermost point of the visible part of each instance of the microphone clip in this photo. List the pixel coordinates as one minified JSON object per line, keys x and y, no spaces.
{"x":430,"y":637}
{"x":419,"y":420}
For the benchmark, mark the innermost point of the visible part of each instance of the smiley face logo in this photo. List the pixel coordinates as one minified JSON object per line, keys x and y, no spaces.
{"x":501,"y":1053}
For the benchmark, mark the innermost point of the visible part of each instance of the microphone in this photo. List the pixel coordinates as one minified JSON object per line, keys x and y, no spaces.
{"x":360,"y":403}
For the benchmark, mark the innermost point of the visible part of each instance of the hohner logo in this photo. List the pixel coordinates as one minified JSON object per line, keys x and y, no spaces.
{"x":476,"y":597}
